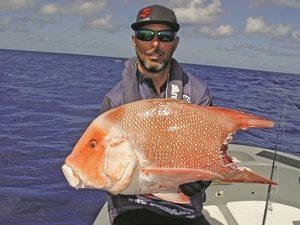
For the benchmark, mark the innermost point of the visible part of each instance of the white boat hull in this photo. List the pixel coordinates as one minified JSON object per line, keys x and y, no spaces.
{"x":244,"y":204}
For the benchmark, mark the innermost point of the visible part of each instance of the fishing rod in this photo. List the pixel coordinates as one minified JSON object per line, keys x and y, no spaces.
{"x":279,"y":134}
{"x":297,"y":106}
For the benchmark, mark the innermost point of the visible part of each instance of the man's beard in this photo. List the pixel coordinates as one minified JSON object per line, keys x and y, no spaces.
{"x":148,"y":65}
{"x":153,"y":68}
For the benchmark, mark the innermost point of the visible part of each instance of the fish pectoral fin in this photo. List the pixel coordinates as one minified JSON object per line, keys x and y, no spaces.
{"x":173,"y":177}
{"x":119,"y":164}
{"x":245,"y":175}
{"x":119,"y":185}
{"x":175,"y":197}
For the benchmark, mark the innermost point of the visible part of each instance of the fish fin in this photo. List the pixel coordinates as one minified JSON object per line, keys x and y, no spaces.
{"x":175,"y":197}
{"x":247,"y":176}
{"x":243,"y":120}
{"x":173,"y":177}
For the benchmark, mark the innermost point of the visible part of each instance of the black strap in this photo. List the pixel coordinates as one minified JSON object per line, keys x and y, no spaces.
{"x":129,"y":82}
{"x":175,"y":85}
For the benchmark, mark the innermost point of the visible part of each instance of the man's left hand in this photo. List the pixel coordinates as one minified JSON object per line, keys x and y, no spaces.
{"x":193,"y":188}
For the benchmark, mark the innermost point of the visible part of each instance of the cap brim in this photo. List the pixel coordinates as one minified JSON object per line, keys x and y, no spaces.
{"x":173,"y":25}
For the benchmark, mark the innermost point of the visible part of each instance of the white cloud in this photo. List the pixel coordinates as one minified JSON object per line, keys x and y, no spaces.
{"x":283,"y":3}
{"x":104,"y":23}
{"x":234,"y":48}
{"x":258,"y":26}
{"x":23,"y":24}
{"x":295,"y":35}
{"x":12,"y":5}
{"x":219,"y":32}
{"x":51,"y":9}
{"x":197,"y":11}
{"x":5,"y":24}
{"x":251,"y":50}
{"x":15,"y":24}
{"x":224,"y":31}
{"x":273,"y":52}
{"x":39,"y":22}
{"x":79,"y":7}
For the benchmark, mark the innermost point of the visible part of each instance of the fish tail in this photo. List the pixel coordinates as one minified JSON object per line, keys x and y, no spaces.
{"x":254,"y":121}
{"x":247,"y":176}
{"x":244,"y":120}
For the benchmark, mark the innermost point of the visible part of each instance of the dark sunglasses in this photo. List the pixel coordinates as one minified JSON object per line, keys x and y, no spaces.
{"x":162,"y":35}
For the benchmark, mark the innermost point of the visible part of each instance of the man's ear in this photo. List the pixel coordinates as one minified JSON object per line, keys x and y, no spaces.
{"x":176,"y":42}
{"x":133,"y":40}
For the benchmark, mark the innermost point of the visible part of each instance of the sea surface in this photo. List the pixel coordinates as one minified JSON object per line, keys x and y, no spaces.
{"x":47,"y":100}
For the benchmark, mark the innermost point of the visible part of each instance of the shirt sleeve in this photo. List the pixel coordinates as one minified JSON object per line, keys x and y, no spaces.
{"x":105,"y":105}
{"x":199,"y":92}
{"x":112,"y":99}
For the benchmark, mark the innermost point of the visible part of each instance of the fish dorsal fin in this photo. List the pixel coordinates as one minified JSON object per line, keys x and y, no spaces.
{"x":163,"y":100}
{"x":241,"y":119}
{"x":173,"y":177}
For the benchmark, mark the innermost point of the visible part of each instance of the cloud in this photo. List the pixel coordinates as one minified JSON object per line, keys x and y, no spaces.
{"x":197,"y":11}
{"x":219,"y":32}
{"x":295,"y":35}
{"x":47,"y":40}
{"x":79,"y":7}
{"x":5,"y":24}
{"x":16,"y":25}
{"x":235,"y":48}
{"x":282,"y":3}
{"x":51,"y":9}
{"x":251,"y":50}
{"x":257,"y":26}
{"x":104,"y":23}
{"x":273,"y":52}
{"x":13,"y":5}
{"x":39,"y":22}
{"x":21,"y":24}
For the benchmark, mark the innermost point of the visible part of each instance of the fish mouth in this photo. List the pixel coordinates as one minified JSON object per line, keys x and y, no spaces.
{"x":74,"y":178}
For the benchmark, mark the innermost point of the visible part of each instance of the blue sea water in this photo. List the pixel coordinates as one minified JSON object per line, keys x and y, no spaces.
{"x":47,"y":100}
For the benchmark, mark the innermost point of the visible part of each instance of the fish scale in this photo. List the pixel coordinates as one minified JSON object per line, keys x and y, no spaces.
{"x":159,"y":118}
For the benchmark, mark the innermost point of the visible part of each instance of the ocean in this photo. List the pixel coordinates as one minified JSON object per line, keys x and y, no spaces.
{"x":47,"y":100}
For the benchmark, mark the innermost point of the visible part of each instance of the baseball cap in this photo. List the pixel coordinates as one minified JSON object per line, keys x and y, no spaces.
{"x":156,"y":14}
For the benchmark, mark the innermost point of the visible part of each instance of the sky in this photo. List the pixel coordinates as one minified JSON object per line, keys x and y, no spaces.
{"x":248,"y":34}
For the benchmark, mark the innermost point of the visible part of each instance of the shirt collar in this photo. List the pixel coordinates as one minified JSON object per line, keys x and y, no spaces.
{"x":142,"y":79}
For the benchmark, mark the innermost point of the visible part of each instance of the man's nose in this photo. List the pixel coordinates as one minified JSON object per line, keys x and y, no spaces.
{"x":155,"y":43}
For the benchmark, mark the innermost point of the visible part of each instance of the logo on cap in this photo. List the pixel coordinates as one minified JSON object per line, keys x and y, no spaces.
{"x":145,"y":12}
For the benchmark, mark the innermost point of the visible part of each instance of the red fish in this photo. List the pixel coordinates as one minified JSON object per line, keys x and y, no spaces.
{"x":153,"y":146}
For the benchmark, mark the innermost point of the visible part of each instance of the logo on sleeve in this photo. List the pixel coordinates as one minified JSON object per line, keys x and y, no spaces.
{"x":174,"y":91}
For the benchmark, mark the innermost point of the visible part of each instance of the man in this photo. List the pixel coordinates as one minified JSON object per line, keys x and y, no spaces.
{"x":155,"y":74}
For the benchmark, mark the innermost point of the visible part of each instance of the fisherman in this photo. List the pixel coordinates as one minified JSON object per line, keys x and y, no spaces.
{"x":154,"y":73}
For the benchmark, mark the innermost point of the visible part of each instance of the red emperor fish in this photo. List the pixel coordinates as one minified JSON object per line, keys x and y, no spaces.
{"x":153,"y":146}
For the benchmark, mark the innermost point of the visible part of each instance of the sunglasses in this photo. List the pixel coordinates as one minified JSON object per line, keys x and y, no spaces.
{"x":162,"y":35}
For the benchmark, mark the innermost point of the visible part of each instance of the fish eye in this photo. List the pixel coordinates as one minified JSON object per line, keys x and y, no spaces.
{"x":93,"y":144}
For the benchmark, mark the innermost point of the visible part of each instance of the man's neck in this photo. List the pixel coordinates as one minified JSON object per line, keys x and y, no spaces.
{"x":158,"y":78}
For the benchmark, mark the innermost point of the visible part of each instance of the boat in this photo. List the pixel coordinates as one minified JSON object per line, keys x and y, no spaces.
{"x":252,"y":204}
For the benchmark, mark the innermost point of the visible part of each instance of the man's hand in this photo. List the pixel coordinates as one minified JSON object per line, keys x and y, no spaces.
{"x":193,"y":188}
